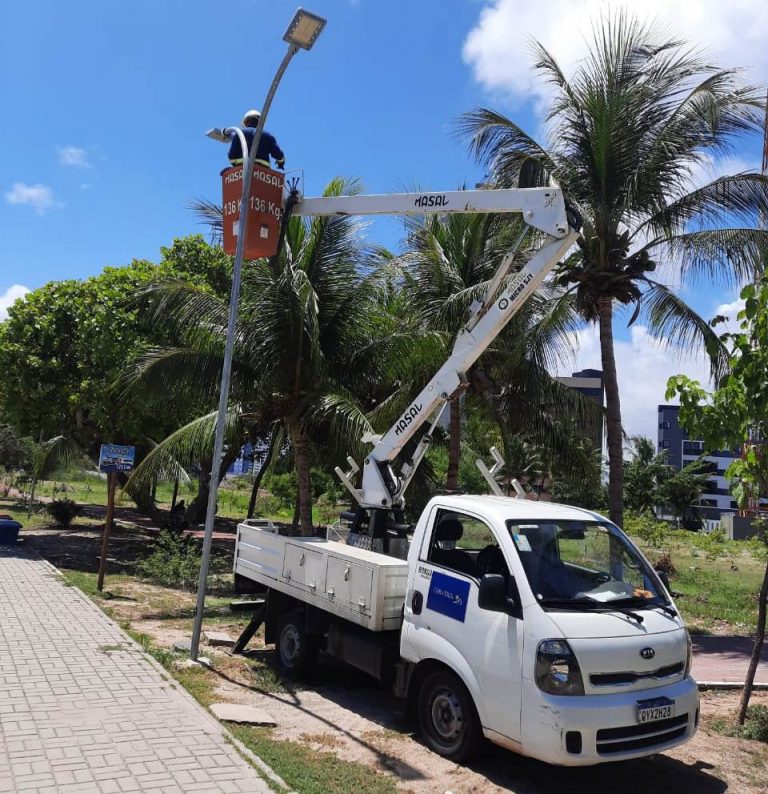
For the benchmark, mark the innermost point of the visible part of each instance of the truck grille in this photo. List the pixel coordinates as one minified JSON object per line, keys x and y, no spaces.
{"x":617,"y":679}
{"x":635,"y":737}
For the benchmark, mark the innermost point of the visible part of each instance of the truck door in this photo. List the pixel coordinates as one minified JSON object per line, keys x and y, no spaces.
{"x":443,"y":620}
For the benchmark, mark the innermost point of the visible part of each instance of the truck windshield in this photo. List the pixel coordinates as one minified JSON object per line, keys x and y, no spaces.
{"x":583,"y":565}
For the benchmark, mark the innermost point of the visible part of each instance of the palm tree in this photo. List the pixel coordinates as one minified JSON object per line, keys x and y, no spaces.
{"x":640,"y":114}
{"x":302,"y":348}
{"x":644,"y":473}
{"x":449,"y":264}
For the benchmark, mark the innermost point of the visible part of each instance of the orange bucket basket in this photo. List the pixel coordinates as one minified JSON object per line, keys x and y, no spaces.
{"x":265,"y":210}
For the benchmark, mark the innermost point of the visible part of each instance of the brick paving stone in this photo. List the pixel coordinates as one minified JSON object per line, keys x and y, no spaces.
{"x":74,"y":718}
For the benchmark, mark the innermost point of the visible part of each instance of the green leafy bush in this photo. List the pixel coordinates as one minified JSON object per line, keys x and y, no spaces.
{"x":756,"y":725}
{"x":174,"y":561}
{"x":63,"y":511}
{"x":713,"y":543}
{"x":647,"y":528}
{"x":282,"y":486}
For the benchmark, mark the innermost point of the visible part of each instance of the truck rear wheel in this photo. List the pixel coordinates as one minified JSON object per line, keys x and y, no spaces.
{"x":447,"y":717}
{"x":296,"y":650}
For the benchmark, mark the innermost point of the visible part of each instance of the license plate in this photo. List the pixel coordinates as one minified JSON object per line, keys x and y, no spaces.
{"x":656,"y":709}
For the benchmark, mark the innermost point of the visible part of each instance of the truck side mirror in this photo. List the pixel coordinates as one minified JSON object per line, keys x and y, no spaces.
{"x":664,"y":580}
{"x":493,"y":594}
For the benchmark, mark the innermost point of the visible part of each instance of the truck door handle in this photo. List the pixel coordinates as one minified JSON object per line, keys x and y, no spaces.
{"x":417,"y":600}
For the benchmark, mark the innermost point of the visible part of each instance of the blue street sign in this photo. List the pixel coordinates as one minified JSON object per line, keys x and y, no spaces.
{"x":113,"y":457}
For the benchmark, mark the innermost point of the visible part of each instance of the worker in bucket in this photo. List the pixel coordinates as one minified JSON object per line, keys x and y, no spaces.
{"x":267,"y":144}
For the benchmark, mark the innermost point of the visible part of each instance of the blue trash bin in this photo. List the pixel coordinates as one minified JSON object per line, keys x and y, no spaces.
{"x":9,"y":531}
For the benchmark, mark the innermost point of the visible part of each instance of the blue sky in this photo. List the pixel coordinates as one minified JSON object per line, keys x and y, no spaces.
{"x":106,"y":104}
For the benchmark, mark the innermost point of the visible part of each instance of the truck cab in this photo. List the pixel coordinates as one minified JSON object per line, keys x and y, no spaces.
{"x":542,"y":627}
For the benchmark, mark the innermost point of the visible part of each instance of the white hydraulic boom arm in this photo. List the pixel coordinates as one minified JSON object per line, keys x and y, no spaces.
{"x":542,"y":209}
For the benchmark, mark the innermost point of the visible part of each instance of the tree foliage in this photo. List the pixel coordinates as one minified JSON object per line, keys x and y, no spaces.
{"x":63,"y":347}
{"x":641,"y":113}
{"x":736,"y":415}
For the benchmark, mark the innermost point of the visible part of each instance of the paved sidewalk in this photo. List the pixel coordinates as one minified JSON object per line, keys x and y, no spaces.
{"x":83,"y":710}
{"x":726,"y":659}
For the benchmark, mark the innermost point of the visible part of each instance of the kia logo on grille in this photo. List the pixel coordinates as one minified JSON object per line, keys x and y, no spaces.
{"x":647,"y":653}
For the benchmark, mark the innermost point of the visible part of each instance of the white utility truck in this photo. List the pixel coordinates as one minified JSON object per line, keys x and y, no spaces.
{"x":537,"y":625}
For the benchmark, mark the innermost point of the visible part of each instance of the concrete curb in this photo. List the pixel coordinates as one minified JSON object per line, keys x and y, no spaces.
{"x":247,"y":754}
{"x":703,"y":685}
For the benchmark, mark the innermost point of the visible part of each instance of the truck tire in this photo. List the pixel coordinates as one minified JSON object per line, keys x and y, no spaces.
{"x":296,"y":650}
{"x":447,"y":717}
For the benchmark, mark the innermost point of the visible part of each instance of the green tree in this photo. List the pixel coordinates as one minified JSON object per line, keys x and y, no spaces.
{"x":16,"y":452}
{"x":449,"y":265}
{"x":64,"y":345}
{"x":579,"y":481}
{"x":303,"y":349}
{"x":644,"y":473}
{"x":734,"y":416}
{"x":639,"y":115}
{"x":681,"y":490}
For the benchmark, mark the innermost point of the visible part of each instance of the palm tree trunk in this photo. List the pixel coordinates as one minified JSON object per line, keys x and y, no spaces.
{"x":454,"y":444}
{"x":613,"y":412}
{"x":301,"y":455}
{"x":262,"y":471}
{"x":756,"y":650}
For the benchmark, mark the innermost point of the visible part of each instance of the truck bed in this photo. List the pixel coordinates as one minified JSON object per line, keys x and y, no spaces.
{"x":361,"y":586}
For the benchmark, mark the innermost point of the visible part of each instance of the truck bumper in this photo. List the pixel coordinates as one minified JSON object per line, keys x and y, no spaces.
{"x":594,"y":729}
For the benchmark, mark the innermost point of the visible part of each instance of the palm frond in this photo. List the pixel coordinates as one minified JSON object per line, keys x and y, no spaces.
{"x":187,"y":447}
{"x":675,"y":324}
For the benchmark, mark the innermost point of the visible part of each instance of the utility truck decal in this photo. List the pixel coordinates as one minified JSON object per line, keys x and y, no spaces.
{"x":448,"y":596}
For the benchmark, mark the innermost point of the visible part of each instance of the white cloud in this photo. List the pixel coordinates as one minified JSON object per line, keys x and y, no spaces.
{"x":643,"y":365}
{"x":498,"y":50}
{"x":9,"y":297}
{"x":39,"y":197}
{"x":73,"y":156}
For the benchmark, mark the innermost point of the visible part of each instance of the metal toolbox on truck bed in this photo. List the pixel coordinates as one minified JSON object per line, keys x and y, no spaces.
{"x":362,"y":586}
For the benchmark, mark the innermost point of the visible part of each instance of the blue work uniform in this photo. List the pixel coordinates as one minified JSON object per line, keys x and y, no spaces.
{"x":267,"y":148}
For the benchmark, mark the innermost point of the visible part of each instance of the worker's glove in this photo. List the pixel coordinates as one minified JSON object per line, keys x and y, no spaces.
{"x":280,"y":164}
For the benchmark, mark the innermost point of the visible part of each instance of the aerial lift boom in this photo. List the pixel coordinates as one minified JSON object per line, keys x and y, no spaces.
{"x":543,"y":209}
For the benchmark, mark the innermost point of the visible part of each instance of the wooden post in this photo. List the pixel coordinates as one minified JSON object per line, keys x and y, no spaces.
{"x":111,"y":483}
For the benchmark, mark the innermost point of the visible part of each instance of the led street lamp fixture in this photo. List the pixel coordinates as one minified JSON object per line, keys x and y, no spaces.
{"x":304,"y":29}
{"x":218,"y":134}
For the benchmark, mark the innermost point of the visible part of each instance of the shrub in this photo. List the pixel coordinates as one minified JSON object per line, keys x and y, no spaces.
{"x":283,"y":486}
{"x":327,"y":512}
{"x":174,"y":561}
{"x":756,"y":725}
{"x":63,"y":511}
{"x":267,"y":505}
{"x":647,"y":528}
{"x":713,"y":543}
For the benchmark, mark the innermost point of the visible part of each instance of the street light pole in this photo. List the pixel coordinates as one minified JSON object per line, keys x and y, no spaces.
{"x":301,"y":34}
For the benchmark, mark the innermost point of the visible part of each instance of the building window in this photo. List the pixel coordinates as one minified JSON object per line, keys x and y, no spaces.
{"x":664,"y":444}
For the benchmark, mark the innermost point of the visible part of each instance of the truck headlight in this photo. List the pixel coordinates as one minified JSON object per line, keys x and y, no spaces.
{"x":557,"y":670}
{"x":688,"y":652}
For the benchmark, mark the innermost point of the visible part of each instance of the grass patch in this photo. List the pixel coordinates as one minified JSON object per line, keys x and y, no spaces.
{"x":718,"y":583}
{"x":198,"y":682}
{"x":265,"y":677}
{"x":311,"y":771}
{"x":110,"y":648}
{"x":87,"y":582}
{"x":755,"y":726}
{"x":161,"y":655}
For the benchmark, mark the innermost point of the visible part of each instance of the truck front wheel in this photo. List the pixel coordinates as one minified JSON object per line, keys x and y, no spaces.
{"x":296,"y":650}
{"x":447,"y":717}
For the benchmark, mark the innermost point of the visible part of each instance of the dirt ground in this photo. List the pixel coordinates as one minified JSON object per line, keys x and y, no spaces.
{"x":344,"y":712}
